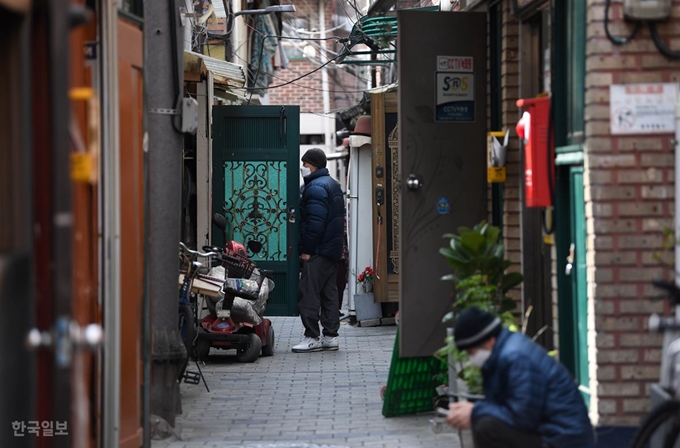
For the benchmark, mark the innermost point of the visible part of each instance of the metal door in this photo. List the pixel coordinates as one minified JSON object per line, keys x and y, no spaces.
{"x":256,"y":155}
{"x":442,"y":160}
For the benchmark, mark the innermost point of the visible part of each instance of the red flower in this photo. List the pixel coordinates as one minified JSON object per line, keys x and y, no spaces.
{"x":361,"y":277}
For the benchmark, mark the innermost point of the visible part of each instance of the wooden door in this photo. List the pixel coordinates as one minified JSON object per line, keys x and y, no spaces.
{"x":130,"y":84}
{"x":385,"y":142}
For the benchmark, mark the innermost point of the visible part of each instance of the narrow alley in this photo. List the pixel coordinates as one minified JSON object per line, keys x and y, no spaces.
{"x":327,"y":399}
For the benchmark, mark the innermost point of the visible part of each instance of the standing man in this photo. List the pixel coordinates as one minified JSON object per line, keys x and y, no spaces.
{"x":321,"y":239}
{"x":530,"y":400}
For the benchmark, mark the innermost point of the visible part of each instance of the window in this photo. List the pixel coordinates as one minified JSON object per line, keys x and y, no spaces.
{"x":133,"y":8}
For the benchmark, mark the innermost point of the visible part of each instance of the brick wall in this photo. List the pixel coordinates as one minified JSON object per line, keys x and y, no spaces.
{"x":629,"y":200}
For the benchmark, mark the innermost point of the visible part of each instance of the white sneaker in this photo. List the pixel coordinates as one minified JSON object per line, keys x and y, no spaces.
{"x":308,"y":345}
{"x":329,"y":343}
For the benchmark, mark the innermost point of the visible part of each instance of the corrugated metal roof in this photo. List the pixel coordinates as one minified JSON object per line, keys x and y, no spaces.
{"x":225,"y":74}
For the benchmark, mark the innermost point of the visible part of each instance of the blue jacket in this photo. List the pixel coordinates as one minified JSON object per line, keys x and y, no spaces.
{"x":528,"y":389}
{"x":322,"y":213}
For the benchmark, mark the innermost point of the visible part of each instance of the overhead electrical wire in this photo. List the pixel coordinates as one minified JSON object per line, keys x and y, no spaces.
{"x":307,"y":87}
{"x":302,"y":39}
{"x":343,"y":68}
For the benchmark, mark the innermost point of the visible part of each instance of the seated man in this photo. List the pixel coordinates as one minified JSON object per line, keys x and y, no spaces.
{"x":530,"y":399}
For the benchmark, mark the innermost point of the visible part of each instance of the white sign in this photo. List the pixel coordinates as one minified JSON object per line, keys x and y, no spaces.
{"x":455,"y":97}
{"x":642,"y":108}
{"x":455,"y":64}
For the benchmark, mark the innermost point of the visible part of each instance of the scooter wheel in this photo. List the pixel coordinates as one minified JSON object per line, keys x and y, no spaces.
{"x":250,"y":351}
{"x":202,"y":348}
{"x":268,"y":350}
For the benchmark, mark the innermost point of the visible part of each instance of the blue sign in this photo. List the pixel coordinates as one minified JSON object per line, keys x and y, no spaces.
{"x":443,"y":206}
{"x":223,"y":325}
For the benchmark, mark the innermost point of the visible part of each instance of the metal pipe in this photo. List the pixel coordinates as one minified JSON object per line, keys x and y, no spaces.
{"x":188,"y":30}
{"x":327,"y":132}
{"x":111,"y":223}
{"x":676,"y":144}
{"x":353,"y":199}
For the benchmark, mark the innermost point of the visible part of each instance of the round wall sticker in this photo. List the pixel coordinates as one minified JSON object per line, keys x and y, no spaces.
{"x":443,"y":206}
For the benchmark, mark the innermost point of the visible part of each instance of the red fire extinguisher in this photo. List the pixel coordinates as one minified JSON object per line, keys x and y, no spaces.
{"x":534,"y":130}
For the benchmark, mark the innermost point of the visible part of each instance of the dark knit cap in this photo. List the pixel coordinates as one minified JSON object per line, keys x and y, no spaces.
{"x":316,"y":157}
{"x":474,"y":327}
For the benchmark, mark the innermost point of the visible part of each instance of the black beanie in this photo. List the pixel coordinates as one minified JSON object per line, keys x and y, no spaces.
{"x":316,"y":157}
{"x":474,"y":327}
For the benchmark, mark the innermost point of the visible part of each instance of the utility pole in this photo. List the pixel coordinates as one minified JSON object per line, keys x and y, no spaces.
{"x":163,"y":86}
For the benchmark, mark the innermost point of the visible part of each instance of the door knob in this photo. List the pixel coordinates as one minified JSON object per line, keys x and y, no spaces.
{"x":66,"y":336}
{"x":413,"y":183}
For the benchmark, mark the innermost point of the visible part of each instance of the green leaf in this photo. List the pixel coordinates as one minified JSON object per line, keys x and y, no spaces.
{"x":448,"y":278}
{"x":492,"y":235}
{"x":511,"y":280}
{"x":473,"y":242}
{"x":455,"y":255}
{"x":448,"y":317}
{"x":463,"y":229}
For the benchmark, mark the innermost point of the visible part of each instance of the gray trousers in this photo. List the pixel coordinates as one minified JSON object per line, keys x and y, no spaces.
{"x":490,"y":432}
{"x":318,"y":297}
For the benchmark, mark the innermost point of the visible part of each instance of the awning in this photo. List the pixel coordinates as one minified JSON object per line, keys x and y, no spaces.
{"x":376,"y":31}
{"x":226,"y":75}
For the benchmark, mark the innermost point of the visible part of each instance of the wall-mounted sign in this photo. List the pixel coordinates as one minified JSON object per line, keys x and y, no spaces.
{"x":455,"y":64}
{"x":455,"y":96}
{"x":642,"y":108}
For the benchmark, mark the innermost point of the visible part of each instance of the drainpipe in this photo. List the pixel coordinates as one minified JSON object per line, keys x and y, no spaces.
{"x":111,"y":224}
{"x":186,"y":22}
{"x":664,"y":376}
{"x":239,"y":41}
{"x":353,"y":224}
{"x":324,"y":80}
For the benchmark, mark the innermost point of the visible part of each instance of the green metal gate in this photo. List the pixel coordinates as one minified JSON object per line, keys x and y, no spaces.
{"x":256,"y":152}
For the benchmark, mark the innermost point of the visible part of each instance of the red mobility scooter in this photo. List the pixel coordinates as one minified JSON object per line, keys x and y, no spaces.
{"x":235,"y":315}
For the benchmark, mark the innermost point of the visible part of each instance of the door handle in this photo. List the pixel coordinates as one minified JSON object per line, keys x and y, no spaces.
{"x":65,"y":336}
{"x":414,"y":182}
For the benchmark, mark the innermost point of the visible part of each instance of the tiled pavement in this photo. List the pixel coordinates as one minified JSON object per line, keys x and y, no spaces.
{"x":302,"y":400}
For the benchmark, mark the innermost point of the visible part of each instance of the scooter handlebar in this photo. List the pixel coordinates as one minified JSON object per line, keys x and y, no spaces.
{"x":184,"y":248}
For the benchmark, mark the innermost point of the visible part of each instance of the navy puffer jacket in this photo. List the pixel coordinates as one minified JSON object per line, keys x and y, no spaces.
{"x":323,"y":216}
{"x":529,"y":390}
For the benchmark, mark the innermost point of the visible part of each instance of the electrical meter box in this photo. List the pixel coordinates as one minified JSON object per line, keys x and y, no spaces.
{"x":646,"y":9}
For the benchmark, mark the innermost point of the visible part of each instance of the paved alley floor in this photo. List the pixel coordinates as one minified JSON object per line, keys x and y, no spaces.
{"x":302,"y":400}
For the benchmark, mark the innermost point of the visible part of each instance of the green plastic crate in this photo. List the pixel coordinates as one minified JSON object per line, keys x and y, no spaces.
{"x":411,"y":384}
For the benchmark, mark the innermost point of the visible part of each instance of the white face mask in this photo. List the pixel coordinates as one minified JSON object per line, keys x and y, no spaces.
{"x":305,"y":171}
{"x":480,"y":357}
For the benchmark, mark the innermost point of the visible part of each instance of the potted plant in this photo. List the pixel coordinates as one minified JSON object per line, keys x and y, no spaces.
{"x":366,"y":279}
{"x":479,"y":277}
{"x":367,"y":309}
